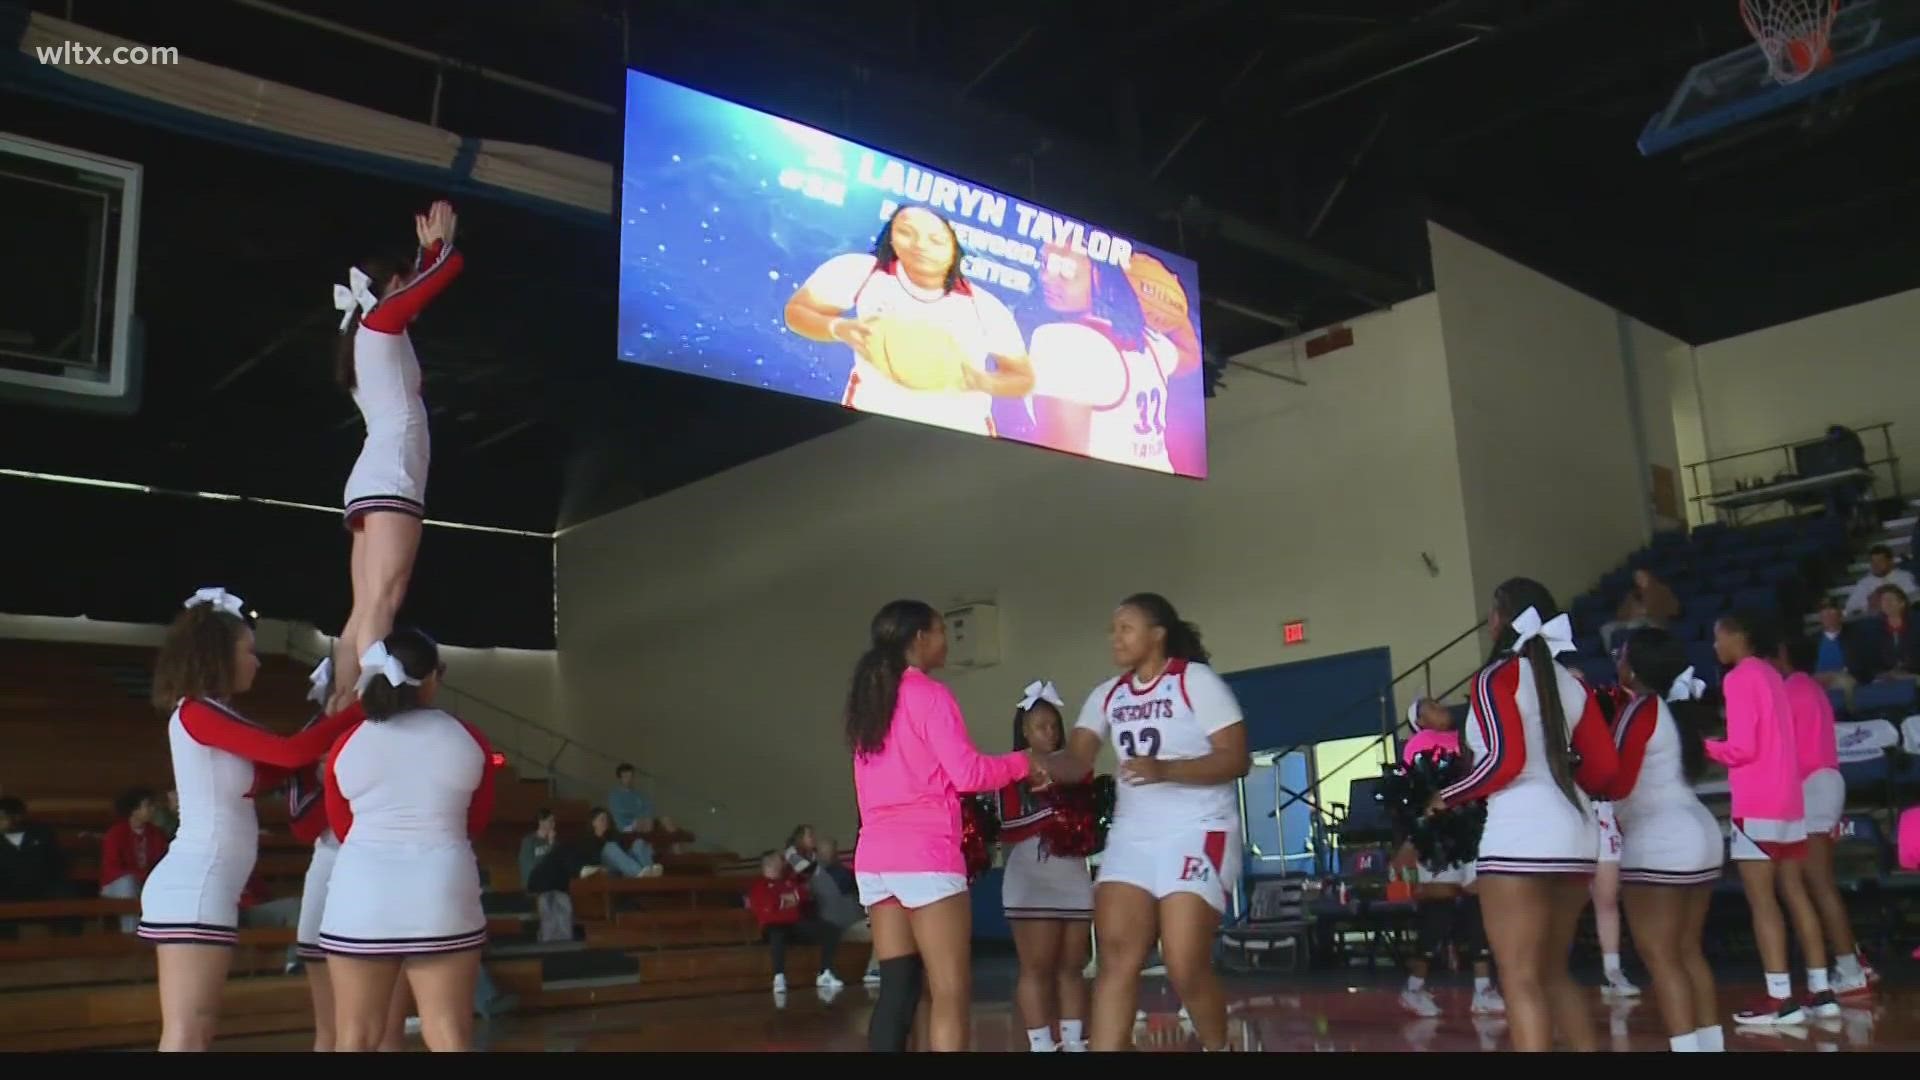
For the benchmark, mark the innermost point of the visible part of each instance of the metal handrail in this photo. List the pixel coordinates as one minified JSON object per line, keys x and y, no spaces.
{"x":1891,"y":460}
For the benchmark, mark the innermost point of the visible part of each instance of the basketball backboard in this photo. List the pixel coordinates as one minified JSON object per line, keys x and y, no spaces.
{"x":1868,"y":37}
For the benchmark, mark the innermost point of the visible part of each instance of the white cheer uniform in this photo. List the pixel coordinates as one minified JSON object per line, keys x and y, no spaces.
{"x":405,"y":794}
{"x":1532,"y":827}
{"x":1038,"y":884}
{"x":1169,"y":838}
{"x":391,"y":471}
{"x":1668,"y":836}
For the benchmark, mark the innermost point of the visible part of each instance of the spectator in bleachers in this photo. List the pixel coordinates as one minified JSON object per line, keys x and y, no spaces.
{"x":836,"y":897}
{"x":1880,"y":573}
{"x":32,"y":866}
{"x":1649,"y":603}
{"x":633,"y":859}
{"x":130,"y":849}
{"x":1886,"y":647}
{"x":778,"y":900}
{"x":1830,"y":650}
{"x":631,"y":809}
{"x":546,"y":871}
{"x":801,"y":853}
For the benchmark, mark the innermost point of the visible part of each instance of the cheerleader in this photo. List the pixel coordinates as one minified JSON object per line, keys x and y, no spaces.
{"x":1438,"y":902}
{"x":190,"y":905}
{"x":912,"y":759}
{"x":1048,"y":898}
{"x":1769,"y":810}
{"x":1671,"y":853}
{"x":1172,"y":858}
{"x":387,"y":490}
{"x":1539,"y":846}
{"x":1823,"y":790}
{"x":405,"y":791}
{"x":307,"y":819}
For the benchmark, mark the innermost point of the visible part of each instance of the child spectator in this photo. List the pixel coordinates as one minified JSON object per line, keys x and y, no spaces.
{"x":129,"y":850}
{"x":634,"y":859}
{"x":778,"y":900}
{"x":1830,"y":650}
{"x":630,"y":808}
{"x":800,"y":852}
{"x":546,"y":871}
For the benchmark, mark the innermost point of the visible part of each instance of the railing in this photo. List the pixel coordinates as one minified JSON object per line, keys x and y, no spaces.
{"x":571,"y":768}
{"x":1786,"y":449}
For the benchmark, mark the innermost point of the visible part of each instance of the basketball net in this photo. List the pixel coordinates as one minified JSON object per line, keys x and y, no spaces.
{"x":1793,"y":34}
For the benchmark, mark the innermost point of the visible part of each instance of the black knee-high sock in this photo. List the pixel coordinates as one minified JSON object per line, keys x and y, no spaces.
{"x":1473,"y":930}
{"x":892,"y":1021}
{"x":1436,"y":927}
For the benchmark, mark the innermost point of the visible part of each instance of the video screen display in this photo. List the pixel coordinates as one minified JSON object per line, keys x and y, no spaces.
{"x":763,"y":252}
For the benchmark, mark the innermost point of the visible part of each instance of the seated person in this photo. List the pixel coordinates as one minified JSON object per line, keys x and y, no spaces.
{"x":130,"y":849}
{"x":32,"y":867}
{"x":1830,"y":649}
{"x":1880,"y":573}
{"x":606,"y":850}
{"x":631,"y":809}
{"x":778,"y":900}
{"x":1649,"y":603}
{"x":836,"y":897}
{"x":800,"y":854}
{"x":1886,"y":647}
{"x":547,"y":868}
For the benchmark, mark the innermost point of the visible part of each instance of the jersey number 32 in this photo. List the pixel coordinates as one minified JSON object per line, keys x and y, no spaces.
{"x":1144,"y":743}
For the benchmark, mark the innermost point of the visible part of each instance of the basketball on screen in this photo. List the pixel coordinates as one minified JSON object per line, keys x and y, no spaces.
{"x":1163,"y":300}
{"x":917,"y":355}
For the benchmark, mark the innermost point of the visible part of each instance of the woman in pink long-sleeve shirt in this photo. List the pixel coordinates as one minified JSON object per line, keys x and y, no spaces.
{"x":1825,"y":794}
{"x":1769,"y":830}
{"x":912,"y":759}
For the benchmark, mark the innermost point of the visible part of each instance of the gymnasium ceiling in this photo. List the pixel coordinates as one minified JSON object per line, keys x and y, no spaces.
{"x":1295,"y":148}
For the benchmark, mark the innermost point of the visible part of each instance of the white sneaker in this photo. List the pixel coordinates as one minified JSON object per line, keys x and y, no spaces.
{"x":779,"y":984}
{"x":828,"y":980}
{"x":412,"y":1026}
{"x":1419,"y":1003}
{"x":1845,"y":987}
{"x":1075,"y":1047}
{"x":1617,"y":986}
{"x":872,"y":977}
{"x":1488,"y":1002}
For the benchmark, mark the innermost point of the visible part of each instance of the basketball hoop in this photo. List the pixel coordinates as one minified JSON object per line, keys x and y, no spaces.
{"x":1793,"y":34}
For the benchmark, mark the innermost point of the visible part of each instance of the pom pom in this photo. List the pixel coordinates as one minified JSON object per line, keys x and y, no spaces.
{"x":1082,"y":814}
{"x":1442,"y":839}
{"x":978,"y":828}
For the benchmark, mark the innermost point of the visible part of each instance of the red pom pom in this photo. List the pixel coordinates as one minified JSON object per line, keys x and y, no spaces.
{"x":1075,"y":829}
{"x":978,"y":827}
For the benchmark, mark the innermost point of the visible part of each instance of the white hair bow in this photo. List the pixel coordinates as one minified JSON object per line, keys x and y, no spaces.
{"x":1687,"y":688}
{"x":219,"y":598}
{"x":378,"y":661}
{"x":320,"y":679}
{"x":1038,"y":691}
{"x":1557,"y":632}
{"x":358,"y":292}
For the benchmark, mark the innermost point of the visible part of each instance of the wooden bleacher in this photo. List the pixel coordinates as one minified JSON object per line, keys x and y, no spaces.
{"x":69,"y":979}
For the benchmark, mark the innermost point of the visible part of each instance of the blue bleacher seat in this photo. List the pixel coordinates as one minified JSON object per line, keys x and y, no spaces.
{"x":1599,"y":670}
{"x":1756,"y":556}
{"x":1707,"y":606}
{"x":1706,"y":666}
{"x":1691,"y":628}
{"x":1760,"y":598}
{"x":1669,"y":538}
{"x":1730,"y":580}
{"x":1839,"y":700}
{"x":1887,"y":695}
{"x":1802,"y":550}
{"x":1779,"y":573}
{"x":1590,"y":645}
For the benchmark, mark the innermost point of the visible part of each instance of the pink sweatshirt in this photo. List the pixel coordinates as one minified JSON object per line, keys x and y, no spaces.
{"x":909,"y":791}
{"x":1763,"y":769}
{"x":1815,"y":745}
{"x":1429,"y":739}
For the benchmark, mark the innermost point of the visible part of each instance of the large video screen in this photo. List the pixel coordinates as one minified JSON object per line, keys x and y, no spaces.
{"x":763,"y":252}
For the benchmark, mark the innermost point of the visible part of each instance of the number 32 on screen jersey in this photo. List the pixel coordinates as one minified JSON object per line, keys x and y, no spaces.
{"x":1153,"y":418}
{"x":1146,"y":743}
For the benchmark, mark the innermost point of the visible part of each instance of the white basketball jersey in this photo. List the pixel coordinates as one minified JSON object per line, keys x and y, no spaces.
{"x":1170,"y":718}
{"x":1133,"y":431}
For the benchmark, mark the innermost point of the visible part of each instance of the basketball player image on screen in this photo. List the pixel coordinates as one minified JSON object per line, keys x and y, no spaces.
{"x":1101,"y":369}
{"x":927,"y":344}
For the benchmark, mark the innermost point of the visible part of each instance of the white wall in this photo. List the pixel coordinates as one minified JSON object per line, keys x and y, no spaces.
{"x":1550,"y":461}
{"x":1646,"y":351}
{"x":711,"y":631}
{"x":1854,"y":366}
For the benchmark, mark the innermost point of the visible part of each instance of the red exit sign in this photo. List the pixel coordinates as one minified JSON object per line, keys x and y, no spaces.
{"x":1294,"y":633}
